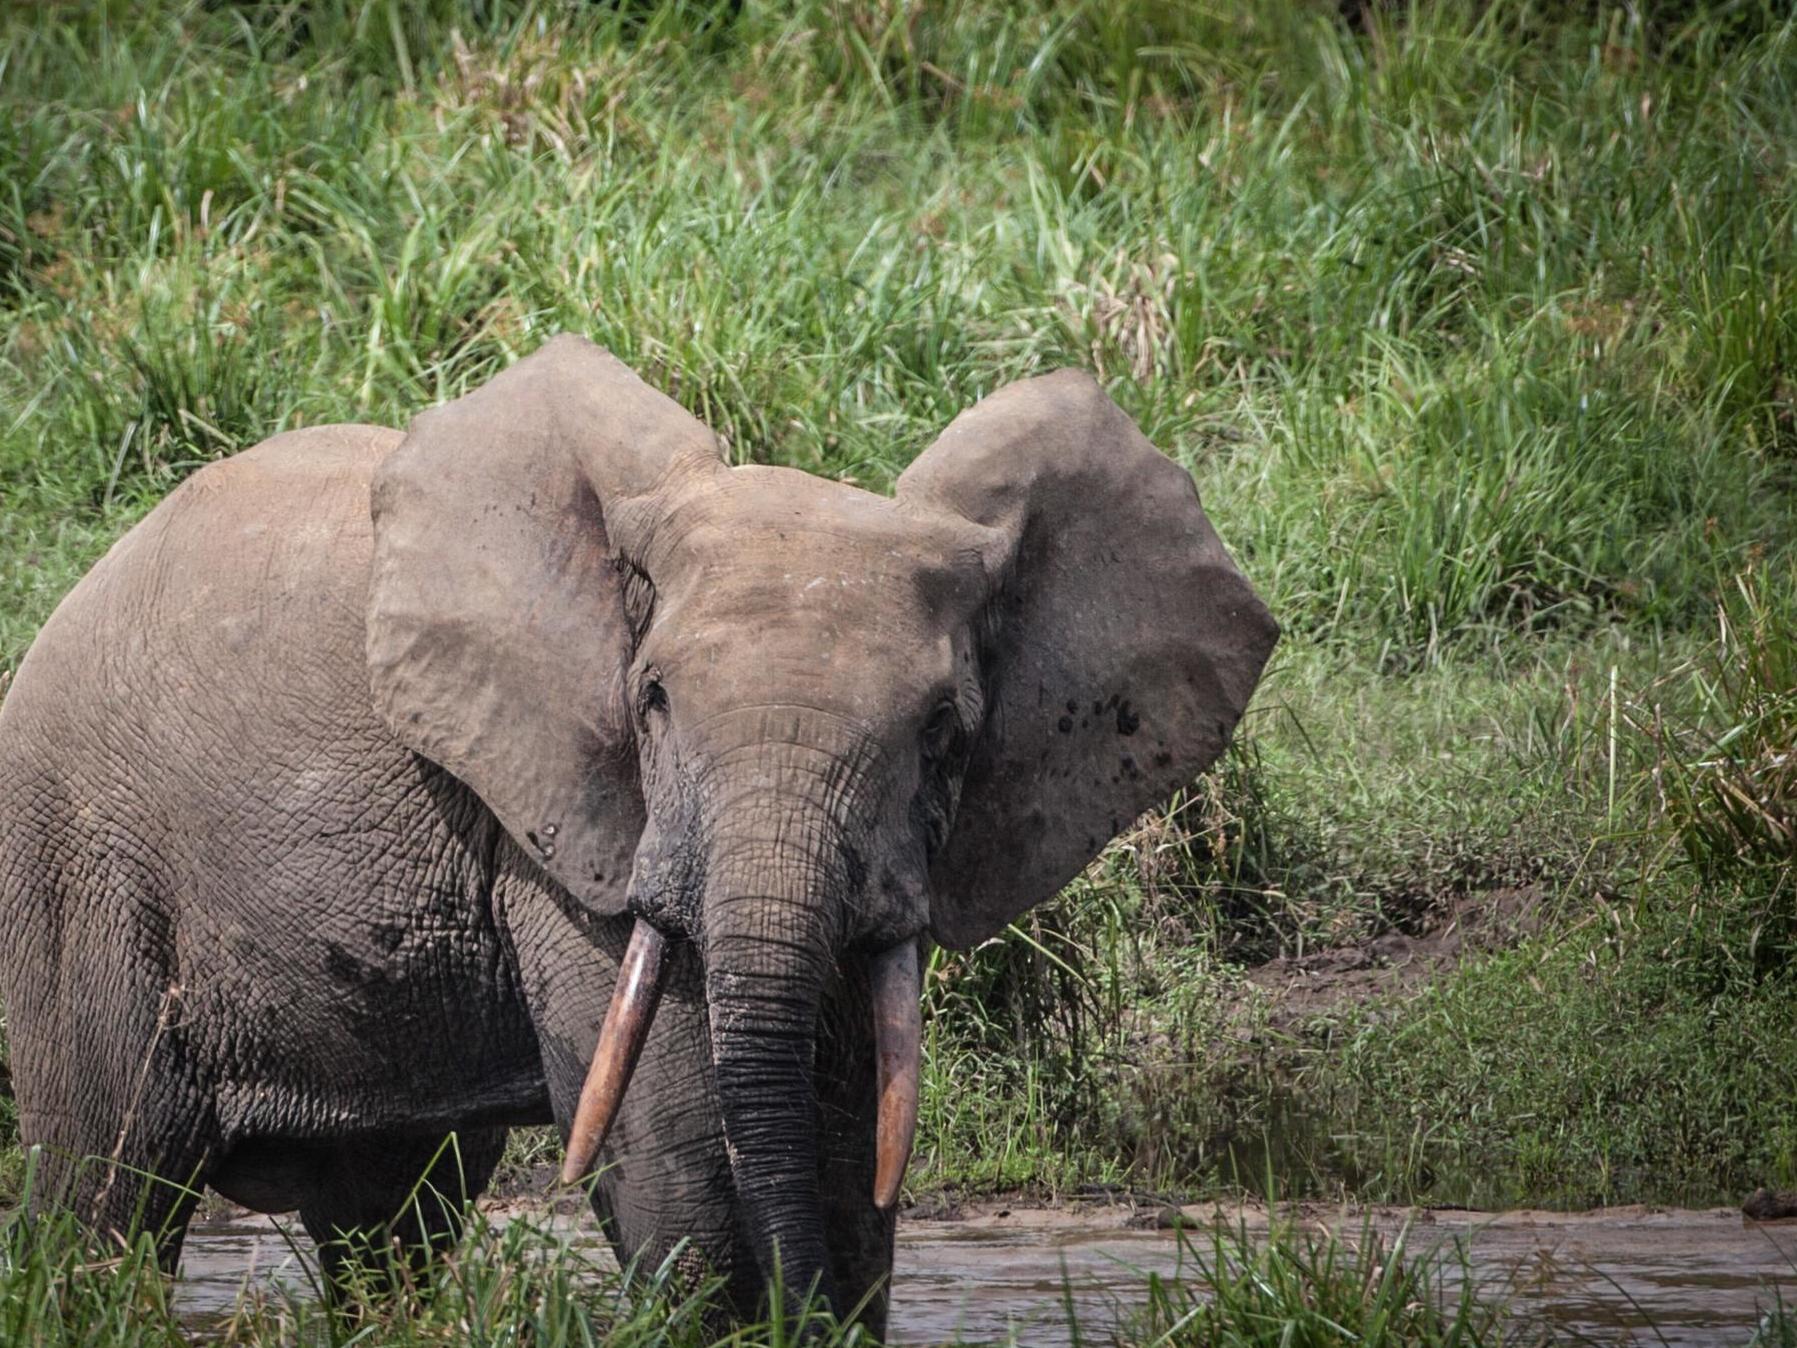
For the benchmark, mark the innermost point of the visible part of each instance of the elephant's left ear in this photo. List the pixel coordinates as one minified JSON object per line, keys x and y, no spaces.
{"x":1122,"y":642}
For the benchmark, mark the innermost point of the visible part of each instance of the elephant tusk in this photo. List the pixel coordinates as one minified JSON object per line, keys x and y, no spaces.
{"x":621,"y":1039}
{"x":898,"y":1043}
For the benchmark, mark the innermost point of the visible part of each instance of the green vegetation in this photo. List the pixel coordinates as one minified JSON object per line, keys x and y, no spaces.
{"x":1777,"y":1328}
{"x":1290,"y":1288}
{"x":1478,"y":329}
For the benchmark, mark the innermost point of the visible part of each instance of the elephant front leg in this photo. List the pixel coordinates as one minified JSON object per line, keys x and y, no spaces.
{"x":382,"y":1207}
{"x":662,"y":1187}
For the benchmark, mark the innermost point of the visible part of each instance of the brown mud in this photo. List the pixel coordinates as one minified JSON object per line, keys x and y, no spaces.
{"x":1290,"y":991}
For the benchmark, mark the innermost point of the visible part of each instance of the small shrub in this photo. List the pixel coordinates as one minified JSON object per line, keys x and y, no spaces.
{"x":1299,"y":1289}
{"x":1731,"y":784}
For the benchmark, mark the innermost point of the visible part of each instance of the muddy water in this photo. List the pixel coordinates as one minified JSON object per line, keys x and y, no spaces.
{"x":1628,"y":1276}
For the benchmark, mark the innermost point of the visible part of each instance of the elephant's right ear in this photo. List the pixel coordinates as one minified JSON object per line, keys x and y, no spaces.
{"x":499,"y":628}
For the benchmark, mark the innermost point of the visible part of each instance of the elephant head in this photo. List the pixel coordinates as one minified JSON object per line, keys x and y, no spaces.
{"x":791,"y":721}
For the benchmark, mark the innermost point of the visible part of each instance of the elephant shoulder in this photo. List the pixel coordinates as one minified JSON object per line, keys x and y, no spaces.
{"x":302,"y":477}
{"x":292,"y":509}
{"x":252,"y":571}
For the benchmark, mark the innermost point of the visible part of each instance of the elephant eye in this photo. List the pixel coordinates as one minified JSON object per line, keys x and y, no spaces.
{"x":652,"y":698}
{"x":941,"y":733}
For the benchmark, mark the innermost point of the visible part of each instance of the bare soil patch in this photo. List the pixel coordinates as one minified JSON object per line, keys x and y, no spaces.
{"x":1292,"y":991}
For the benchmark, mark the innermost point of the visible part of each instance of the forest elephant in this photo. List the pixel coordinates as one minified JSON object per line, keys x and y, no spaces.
{"x":379,"y":786}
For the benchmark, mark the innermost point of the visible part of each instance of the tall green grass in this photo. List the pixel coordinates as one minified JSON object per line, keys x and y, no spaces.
{"x":1307,"y":1290}
{"x":1452,"y":355}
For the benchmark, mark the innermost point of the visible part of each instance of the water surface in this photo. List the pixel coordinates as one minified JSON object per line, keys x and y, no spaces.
{"x":1630,"y":1276}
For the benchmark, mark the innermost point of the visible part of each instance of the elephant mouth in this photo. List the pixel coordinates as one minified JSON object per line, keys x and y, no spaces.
{"x":896,"y":987}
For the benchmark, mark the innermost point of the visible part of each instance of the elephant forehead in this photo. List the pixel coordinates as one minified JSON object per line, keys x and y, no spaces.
{"x":850,"y":610}
{"x":798,"y":625}
{"x":787,"y":544}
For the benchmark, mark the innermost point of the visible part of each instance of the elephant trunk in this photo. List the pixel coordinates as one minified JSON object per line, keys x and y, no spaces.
{"x":766,"y":956}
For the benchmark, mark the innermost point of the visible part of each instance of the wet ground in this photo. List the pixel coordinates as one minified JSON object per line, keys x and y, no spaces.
{"x":1626,"y":1276}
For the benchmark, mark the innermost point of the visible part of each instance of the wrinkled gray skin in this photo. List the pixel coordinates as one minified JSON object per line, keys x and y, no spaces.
{"x":328,"y":797}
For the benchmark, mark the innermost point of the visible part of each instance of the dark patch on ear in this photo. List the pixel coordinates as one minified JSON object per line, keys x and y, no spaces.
{"x":1072,"y":705}
{"x":1127,"y":719}
{"x":1064,"y":725}
{"x":1128,"y":765}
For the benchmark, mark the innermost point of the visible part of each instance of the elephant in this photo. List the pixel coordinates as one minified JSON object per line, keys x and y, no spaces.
{"x":535,"y":765}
